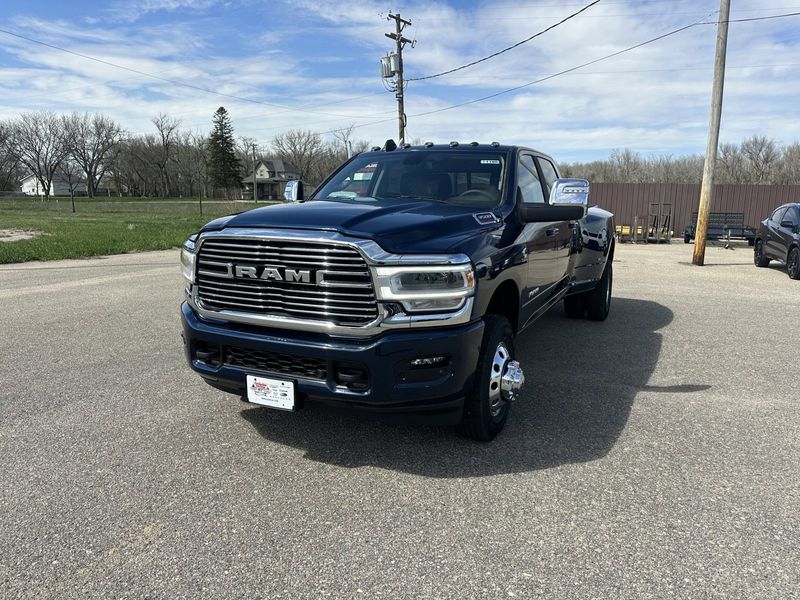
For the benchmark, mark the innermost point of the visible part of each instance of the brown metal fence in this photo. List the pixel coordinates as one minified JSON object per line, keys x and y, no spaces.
{"x":629,"y":201}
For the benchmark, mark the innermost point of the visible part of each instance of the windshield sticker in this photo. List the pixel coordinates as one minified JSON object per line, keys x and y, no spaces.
{"x":490,"y":161}
{"x":486,"y":218}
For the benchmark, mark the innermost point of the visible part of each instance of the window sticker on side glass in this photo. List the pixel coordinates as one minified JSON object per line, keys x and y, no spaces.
{"x":490,"y":161}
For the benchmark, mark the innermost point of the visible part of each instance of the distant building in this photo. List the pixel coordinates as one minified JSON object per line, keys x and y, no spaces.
{"x":271,"y":178}
{"x":60,"y":187}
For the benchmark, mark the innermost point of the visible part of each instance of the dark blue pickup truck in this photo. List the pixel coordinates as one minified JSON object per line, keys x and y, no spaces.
{"x":398,"y":285}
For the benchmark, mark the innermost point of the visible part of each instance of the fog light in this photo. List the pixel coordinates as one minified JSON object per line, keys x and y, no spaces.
{"x":430,"y":361}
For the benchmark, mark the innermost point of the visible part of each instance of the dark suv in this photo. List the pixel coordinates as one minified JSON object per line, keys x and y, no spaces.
{"x":778,"y":238}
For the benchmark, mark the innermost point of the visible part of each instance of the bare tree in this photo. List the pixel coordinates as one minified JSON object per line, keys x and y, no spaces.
{"x":626,"y":165}
{"x":95,"y":141}
{"x":71,"y":171}
{"x":303,"y":149}
{"x":163,"y":147}
{"x":762,"y":157}
{"x":732,"y":164}
{"x":788,"y":171}
{"x":244,"y":152}
{"x":344,"y":135}
{"x":10,"y":167}
{"x":191,"y":164}
{"x":37,"y":140}
{"x":360,"y":146}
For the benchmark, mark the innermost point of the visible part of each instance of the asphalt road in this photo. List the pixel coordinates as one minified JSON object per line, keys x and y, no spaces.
{"x":654,"y":455}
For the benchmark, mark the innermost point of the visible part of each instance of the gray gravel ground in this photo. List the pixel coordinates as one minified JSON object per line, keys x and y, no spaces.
{"x":654,"y":455}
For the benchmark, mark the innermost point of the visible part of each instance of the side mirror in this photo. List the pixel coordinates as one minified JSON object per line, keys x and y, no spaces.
{"x":293,"y":191}
{"x":570,"y":192}
{"x":787,"y":224}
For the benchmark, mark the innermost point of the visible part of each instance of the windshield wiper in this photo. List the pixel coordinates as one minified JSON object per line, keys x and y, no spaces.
{"x":413,"y":197}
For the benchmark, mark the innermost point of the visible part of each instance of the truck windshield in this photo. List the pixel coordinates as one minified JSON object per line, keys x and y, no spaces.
{"x":462,"y":178}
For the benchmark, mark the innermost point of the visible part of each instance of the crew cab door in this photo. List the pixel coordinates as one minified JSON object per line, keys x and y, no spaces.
{"x":540,"y":240}
{"x":563,"y":234}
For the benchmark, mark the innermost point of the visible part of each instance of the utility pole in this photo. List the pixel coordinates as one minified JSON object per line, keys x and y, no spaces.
{"x":707,"y":187}
{"x":255,"y":185}
{"x":397,"y":36}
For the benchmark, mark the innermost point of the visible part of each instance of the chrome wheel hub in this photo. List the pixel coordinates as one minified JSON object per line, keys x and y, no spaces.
{"x":505,"y":380}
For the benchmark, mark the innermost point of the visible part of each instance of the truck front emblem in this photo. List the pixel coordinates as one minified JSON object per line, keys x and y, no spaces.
{"x":268,"y":273}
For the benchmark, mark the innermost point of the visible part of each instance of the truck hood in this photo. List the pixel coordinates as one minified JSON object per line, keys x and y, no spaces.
{"x":399,"y":226}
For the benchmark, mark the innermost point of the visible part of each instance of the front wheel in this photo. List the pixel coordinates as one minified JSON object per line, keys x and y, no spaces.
{"x":793,"y":263}
{"x":497,"y":382}
{"x":759,"y":259}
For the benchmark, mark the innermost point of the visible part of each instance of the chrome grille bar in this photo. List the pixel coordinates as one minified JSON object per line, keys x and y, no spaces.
{"x":308,"y":280}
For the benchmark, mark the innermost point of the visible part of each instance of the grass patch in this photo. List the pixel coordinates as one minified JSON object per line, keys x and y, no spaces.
{"x":100,"y":227}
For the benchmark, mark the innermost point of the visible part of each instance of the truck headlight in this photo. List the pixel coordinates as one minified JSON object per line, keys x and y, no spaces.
{"x":187,"y":259}
{"x":426,"y":288}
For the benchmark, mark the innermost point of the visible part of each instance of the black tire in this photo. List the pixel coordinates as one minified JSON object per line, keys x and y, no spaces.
{"x":687,"y":239}
{"x":759,"y":258}
{"x":575,"y":306}
{"x":478,"y":423}
{"x":598,"y":301}
{"x":793,"y":263}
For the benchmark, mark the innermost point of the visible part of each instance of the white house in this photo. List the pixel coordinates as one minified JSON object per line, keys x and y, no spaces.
{"x":58,"y":187}
{"x":271,"y":178}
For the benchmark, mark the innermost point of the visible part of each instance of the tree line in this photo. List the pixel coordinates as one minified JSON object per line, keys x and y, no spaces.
{"x":757,"y":160}
{"x":95,"y":151}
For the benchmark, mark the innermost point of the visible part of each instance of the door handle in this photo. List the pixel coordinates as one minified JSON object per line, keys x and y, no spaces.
{"x":551,"y":232}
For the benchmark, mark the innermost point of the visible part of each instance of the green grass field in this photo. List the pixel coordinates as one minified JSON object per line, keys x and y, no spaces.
{"x":103,"y":226}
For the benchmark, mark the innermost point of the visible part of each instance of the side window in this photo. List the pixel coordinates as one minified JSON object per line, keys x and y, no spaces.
{"x":528,"y":185}
{"x":778,"y":215}
{"x":548,"y":172}
{"x":793,"y":215}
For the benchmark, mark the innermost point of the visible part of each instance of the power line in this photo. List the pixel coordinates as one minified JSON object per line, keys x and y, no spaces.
{"x":172,"y":81}
{"x":586,"y":64}
{"x":609,"y":16}
{"x":794,"y":14}
{"x":499,"y":52}
{"x":597,"y":60}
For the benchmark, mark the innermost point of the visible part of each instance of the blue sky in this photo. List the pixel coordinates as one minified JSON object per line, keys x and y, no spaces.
{"x":313,"y":64}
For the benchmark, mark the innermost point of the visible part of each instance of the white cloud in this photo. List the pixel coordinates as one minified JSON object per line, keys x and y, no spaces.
{"x":653,"y":99}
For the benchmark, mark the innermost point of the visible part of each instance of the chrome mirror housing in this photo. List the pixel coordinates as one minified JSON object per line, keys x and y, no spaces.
{"x":570,"y":192}
{"x":293,"y":191}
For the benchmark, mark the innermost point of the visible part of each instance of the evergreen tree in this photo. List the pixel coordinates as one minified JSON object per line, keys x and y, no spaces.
{"x":223,"y":166}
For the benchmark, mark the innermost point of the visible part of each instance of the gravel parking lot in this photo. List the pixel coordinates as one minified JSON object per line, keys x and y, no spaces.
{"x":653,"y":455}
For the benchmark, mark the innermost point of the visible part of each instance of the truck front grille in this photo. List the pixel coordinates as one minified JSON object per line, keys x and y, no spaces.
{"x":325,"y":282}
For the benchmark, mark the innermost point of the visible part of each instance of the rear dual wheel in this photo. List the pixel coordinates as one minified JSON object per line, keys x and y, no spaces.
{"x":596,"y":303}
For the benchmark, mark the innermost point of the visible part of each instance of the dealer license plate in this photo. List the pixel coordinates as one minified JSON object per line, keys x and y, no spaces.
{"x":274,"y":393}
